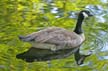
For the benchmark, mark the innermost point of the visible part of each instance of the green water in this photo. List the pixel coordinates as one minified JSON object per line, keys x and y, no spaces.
{"x":24,"y":17}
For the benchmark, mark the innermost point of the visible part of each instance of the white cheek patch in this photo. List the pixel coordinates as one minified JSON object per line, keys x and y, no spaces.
{"x":85,"y":15}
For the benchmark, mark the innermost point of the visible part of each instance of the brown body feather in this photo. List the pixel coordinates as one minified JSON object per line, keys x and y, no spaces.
{"x":55,"y":38}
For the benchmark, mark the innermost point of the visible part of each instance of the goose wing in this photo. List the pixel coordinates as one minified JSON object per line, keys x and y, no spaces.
{"x":54,"y":38}
{"x":40,"y":35}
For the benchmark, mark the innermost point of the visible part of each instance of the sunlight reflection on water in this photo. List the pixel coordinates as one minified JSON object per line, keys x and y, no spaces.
{"x":103,"y":58}
{"x":105,"y":48}
{"x":104,"y":1}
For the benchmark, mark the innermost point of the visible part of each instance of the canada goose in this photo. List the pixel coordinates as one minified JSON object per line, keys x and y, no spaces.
{"x":55,"y":42}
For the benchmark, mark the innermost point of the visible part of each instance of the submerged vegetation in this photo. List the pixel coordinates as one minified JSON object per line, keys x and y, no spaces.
{"x":27,"y":16}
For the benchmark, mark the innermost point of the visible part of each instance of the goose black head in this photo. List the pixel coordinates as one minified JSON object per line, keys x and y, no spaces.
{"x":85,"y":14}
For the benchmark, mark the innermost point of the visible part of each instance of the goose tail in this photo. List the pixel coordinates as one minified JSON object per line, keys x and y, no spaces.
{"x":26,"y":38}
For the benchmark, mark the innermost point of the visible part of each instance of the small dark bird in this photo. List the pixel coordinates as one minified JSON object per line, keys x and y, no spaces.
{"x":55,"y":43}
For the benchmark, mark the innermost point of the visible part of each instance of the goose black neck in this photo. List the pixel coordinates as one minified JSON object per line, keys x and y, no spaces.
{"x":78,"y":28}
